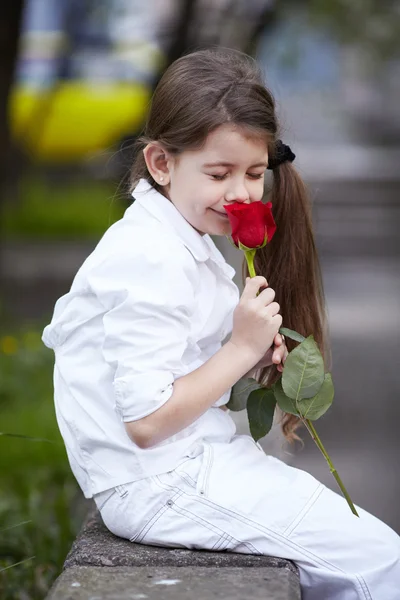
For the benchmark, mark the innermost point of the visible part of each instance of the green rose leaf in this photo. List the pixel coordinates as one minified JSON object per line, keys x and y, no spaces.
{"x":303,"y":374}
{"x":260,"y":412}
{"x":285,"y":403}
{"x":293,"y":335}
{"x":314,"y":408}
{"x":240,"y":392}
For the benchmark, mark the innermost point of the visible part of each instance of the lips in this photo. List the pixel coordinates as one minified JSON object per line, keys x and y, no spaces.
{"x":223,"y":214}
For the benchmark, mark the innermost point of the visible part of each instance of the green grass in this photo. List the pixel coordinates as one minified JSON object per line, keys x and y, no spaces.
{"x":40,"y":508}
{"x":62,"y":211}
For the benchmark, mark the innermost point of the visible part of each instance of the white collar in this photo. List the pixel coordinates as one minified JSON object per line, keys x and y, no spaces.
{"x":200,"y":246}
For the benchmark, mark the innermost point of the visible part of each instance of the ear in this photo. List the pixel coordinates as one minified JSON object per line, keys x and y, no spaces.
{"x":157,"y":161}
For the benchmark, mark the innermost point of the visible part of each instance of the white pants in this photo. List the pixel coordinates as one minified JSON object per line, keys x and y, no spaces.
{"x":232,"y":496}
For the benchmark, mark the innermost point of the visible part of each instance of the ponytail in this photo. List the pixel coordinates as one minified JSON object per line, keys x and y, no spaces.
{"x":290,"y":265}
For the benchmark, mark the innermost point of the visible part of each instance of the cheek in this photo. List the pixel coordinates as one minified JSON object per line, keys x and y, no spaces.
{"x":208,"y":197}
{"x":258,"y":190}
{"x":200,"y":207}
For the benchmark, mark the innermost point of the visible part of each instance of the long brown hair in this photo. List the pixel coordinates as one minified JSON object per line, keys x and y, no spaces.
{"x":198,"y":93}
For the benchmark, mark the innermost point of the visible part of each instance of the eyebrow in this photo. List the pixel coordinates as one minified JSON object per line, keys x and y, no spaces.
{"x":227,"y":164}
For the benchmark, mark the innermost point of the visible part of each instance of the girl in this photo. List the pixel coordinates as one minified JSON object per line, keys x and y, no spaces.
{"x":142,"y":370}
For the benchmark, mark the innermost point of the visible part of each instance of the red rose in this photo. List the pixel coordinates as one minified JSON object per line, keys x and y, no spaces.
{"x":252,"y":224}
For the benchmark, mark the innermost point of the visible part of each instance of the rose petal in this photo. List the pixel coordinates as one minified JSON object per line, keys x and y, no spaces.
{"x":252,"y":224}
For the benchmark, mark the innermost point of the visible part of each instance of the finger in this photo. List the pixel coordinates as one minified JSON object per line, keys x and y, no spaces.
{"x":281,"y":365}
{"x":278,"y":355}
{"x":265,"y":297}
{"x":272,"y":309}
{"x":278,"y":340}
{"x":253,"y":284}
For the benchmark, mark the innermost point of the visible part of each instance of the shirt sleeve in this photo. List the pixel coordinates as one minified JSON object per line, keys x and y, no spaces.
{"x":149,"y":300}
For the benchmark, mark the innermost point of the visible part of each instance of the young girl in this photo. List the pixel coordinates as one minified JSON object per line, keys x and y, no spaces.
{"x":143,"y":366}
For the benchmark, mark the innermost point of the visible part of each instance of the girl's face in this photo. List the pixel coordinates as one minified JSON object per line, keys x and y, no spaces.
{"x":229,"y":168}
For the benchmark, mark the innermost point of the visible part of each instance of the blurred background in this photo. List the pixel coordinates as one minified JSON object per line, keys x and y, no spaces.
{"x":75,"y":80}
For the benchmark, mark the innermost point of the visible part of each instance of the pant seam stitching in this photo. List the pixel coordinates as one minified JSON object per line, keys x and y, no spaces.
{"x":146,"y":528}
{"x":264,"y":529}
{"x":306,"y":508}
{"x":304,"y":551}
{"x":197,"y":519}
{"x":186,"y":478}
{"x":279,"y":537}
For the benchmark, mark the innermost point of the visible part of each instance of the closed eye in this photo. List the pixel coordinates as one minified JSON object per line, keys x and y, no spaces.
{"x":251,"y":175}
{"x":219,"y":177}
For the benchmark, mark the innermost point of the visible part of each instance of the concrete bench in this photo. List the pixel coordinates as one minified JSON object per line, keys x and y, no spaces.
{"x":101,"y":566}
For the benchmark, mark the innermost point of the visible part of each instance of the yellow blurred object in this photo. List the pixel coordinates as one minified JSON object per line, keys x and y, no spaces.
{"x":75,"y":119}
{"x":8,"y":345}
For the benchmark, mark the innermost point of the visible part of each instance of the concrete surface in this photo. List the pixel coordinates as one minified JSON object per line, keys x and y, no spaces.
{"x":101,"y":566}
{"x":175,"y":583}
{"x":96,"y":546}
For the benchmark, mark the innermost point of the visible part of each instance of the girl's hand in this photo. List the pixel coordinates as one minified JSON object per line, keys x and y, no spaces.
{"x":276,"y":355}
{"x":280,"y":352}
{"x":256,"y":320}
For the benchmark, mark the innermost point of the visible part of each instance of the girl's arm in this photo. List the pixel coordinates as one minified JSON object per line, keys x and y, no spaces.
{"x":148,"y":307}
{"x":255,"y":324}
{"x":193,"y":394}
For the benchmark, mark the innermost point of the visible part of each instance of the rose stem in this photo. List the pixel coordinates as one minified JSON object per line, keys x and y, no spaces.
{"x":315,"y":437}
{"x":250,"y":254}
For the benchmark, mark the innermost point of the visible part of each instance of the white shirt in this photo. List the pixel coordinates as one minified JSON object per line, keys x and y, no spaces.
{"x":153,"y":302}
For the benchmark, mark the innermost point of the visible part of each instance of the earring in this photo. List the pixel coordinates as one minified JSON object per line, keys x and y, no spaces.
{"x":161,"y":179}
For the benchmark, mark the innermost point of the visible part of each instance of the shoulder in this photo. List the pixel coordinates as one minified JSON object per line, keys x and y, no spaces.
{"x":137,"y":242}
{"x":148,"y":264}
{"x":153,"y":245}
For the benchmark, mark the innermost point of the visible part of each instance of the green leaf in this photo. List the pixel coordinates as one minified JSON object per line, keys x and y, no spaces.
{"x":313,"y":408}
{"x":260,"y":412}
{"x":285,"y":403}
{"x":240,"y":393}
{"x":303,"y":374}
{"x":293,"y":335}
{"x":307,"y":408}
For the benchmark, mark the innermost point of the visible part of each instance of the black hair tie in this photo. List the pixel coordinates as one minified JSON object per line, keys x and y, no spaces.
{"x":282,"y":153}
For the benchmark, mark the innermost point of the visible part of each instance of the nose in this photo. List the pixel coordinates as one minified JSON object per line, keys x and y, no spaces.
{"x":237,"y":192}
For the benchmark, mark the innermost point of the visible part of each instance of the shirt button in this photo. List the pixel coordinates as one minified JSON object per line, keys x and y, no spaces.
{"x":169,"y":503}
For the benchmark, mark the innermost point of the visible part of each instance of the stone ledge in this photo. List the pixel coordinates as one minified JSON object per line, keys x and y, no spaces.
{"x":175,"y":583}
{"x":95,"y":546}
{"x":101,"y":566}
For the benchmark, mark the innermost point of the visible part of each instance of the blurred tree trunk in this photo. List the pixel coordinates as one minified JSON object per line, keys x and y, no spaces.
{"x":181,"y":40}
{"x":10,"y":24}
